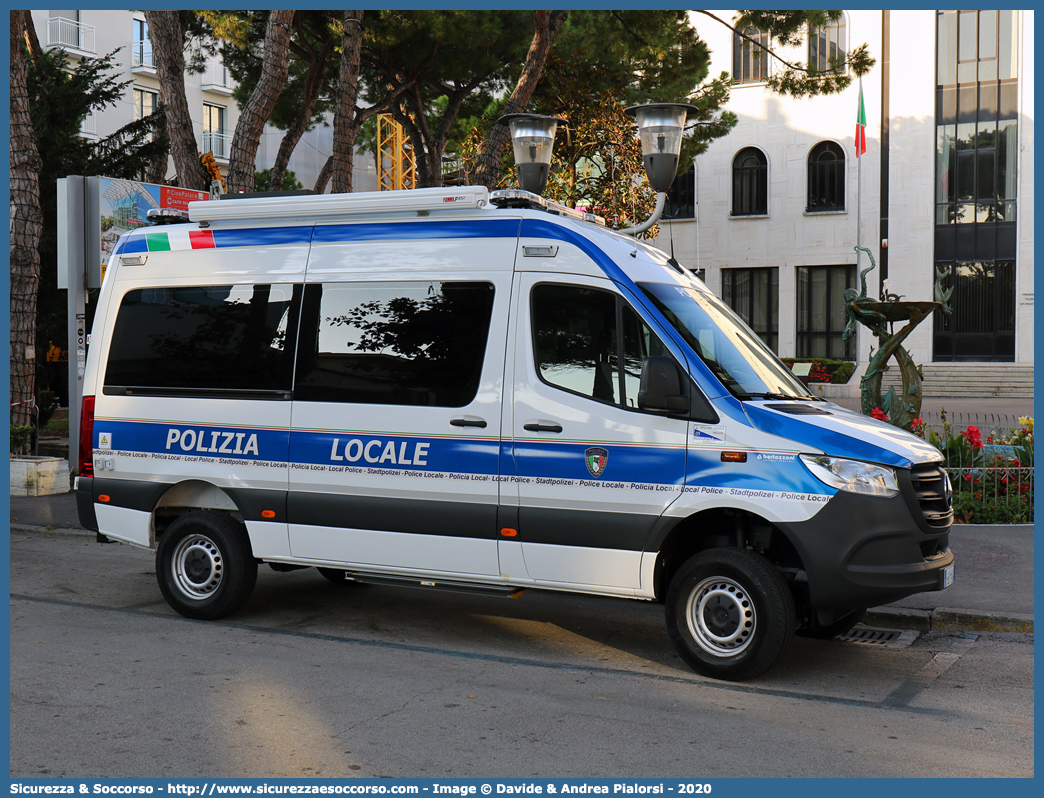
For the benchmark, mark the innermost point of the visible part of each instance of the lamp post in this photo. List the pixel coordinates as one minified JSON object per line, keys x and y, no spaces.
{"x":532,"y":138}
{"x":660,"y":129}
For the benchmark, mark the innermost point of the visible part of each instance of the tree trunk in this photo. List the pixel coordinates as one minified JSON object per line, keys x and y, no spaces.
{"x":26,"y":228}
{"x":492,"y":149}
{"x":167,"y":33}
{"x":258,"y":107}
{"x":157,"y":172}
{"x":324,"y":177}
{"x":29,"y":33}
{"x":312,"y":89}
{"x":346,"y":123}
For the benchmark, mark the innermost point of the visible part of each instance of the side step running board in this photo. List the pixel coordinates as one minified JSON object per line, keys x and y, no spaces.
{"x":507,"y":591}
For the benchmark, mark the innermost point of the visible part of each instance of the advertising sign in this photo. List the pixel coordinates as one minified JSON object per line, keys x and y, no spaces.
{"x":124,"y":203}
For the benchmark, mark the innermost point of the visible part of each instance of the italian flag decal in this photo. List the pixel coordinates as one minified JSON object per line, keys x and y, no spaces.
{"x":173,"y":239}
{"x":860,"y":135}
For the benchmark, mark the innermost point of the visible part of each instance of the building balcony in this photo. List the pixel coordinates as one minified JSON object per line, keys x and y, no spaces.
{"x":216,"y":79}
{"x":218,"y":143}
{"x":75,"y":38}
{"x":141,"y":58}
{"x":89,"y":127}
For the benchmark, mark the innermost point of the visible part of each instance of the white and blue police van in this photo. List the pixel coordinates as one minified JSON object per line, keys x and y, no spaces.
{"x":448,"y":388}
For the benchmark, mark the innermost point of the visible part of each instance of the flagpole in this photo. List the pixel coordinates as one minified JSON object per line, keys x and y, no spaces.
{"x":859,"y":190}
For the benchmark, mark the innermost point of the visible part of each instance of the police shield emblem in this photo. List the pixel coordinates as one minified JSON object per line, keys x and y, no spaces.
{"x":596,"y":459}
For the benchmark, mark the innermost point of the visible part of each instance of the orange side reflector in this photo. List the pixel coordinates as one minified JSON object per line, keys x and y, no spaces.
{"x":268,"y":513}
{"x":508,"y":532}
{"x":733,"y":457}
{"x":103,"y":498}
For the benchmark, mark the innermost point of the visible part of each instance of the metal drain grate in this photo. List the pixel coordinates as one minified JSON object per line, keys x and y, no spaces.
{"x":875,"y":636}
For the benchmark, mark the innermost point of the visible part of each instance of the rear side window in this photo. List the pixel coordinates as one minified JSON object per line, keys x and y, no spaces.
{"x":405,"y":343}
{"x":204,"y":338}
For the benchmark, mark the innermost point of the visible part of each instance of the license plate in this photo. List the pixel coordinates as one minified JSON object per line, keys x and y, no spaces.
{"x":947,"y":576}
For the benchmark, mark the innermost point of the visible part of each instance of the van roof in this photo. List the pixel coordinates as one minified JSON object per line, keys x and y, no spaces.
{"x":420,"y":202}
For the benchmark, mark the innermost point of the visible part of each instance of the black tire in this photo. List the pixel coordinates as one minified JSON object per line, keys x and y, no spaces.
{"x":730,"y":614}
{"x":827,"y":631}
{"x":337,"y":576}
{"x":204,"y":565}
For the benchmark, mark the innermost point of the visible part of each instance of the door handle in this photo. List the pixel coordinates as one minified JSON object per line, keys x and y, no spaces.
{"x":540,"y":426}
{"x":468,"y":422}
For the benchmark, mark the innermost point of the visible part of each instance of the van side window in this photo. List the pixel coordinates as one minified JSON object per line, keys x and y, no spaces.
{"x":204,"y":338}
{"x":574,"y":339}
{"x":582,"y":335}
{"x":405,"y":343}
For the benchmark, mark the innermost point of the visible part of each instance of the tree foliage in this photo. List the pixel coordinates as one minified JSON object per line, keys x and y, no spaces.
{"x":60,"y":99}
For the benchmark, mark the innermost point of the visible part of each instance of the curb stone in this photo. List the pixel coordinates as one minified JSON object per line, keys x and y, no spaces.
{"x":948,"y":619}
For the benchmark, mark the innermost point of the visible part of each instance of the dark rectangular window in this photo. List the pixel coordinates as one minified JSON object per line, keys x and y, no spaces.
{"x":205,"y":338}
{"x":581,"y":336}
{"x":575,"y":340}
{"x":410,"y":343}
{"x":749,"y":61}
{"x":754,"y":295}
{"x":681,"y":199}
{"x":821,"y":313}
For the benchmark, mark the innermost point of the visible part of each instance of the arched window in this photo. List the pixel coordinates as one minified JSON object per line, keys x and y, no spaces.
{"x":750,"y":183}
{"x":826,"y":178}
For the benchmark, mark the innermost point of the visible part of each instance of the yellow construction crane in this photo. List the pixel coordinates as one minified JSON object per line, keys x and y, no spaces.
{"x":396,"y":167}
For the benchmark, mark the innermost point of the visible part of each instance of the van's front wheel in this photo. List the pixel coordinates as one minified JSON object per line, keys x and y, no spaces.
{"x":730,"y":614}
{"x":204,"y":565}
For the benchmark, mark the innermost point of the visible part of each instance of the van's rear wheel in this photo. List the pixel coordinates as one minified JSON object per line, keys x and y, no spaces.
{"x":204,"y":565}
{"x":730,"y":614}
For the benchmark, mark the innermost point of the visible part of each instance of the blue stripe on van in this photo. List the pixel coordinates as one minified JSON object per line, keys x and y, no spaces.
{"x":417,"y":453}
{"x":646,"y":465}
{"x":263,"y":236}
{"x":129,"y":245}
{"x":399,"y":231}
{"x":161,"y":439}
{"x":831,"y":441}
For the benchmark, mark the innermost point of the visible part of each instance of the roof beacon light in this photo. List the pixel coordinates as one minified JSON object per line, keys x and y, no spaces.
{"x":532,"y":137}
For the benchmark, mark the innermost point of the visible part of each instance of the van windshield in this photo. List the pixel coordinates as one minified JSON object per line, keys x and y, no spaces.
{"x":732,"y":351}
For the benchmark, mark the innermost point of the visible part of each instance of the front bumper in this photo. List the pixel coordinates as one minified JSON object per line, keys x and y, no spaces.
{"x":864,"y":551}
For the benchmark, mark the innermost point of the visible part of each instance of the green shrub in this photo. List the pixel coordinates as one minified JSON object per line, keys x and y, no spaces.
{"x":20,"y":437}
{"x":48,"y":404}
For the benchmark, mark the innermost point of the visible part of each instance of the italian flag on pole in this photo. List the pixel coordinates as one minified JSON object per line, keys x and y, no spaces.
{"x":860,"y":134}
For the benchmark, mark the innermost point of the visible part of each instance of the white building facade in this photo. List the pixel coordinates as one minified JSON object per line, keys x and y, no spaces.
{"x":92,"y":34}
{"x":772,"y":212}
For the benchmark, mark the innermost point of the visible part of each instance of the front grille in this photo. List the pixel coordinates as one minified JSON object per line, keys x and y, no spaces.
{"x":933,"y":497}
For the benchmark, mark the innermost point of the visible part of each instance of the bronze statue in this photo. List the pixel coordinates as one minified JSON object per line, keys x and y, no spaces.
{"x":879,"y":316}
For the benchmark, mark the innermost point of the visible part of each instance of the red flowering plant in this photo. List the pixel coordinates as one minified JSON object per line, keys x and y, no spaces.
{"x":817,"y":373}
{"x":879,"y":414}
{"x":992,"y":480}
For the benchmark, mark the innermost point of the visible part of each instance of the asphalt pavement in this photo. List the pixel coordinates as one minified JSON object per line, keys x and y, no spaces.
{"x":992,"y":589}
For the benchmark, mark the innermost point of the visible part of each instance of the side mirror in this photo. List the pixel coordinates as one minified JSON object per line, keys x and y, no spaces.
{"x":661,"y":386}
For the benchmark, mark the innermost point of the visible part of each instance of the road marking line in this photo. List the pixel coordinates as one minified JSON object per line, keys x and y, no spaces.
{"x":939,"y":664}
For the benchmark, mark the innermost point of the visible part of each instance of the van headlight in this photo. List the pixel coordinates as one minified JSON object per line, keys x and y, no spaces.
{"x":852,"y":475}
